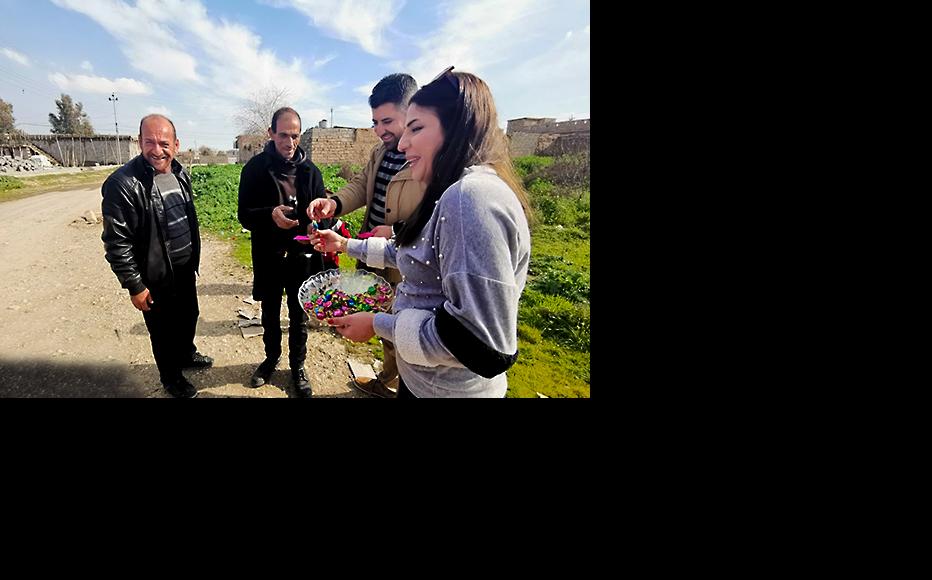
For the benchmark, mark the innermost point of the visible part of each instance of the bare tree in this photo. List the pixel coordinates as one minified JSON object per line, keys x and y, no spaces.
{"x":254,"y":117}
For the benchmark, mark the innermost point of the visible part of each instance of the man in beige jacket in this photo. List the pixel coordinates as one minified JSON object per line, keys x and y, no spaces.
{"x":389,"y":194}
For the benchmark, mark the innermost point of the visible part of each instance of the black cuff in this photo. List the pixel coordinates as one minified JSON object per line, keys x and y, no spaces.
{"x":469,"y":350}
{"x":337,"y":211}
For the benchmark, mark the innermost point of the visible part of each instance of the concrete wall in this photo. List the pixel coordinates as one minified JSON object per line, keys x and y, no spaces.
{"x":547,"y":125}
{"x":74,"y":151}
{"x":521,"y":144}
{"x":546,"y":136}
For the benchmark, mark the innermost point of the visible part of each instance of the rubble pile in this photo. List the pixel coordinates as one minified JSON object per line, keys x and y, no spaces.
{"x":13,"y":164}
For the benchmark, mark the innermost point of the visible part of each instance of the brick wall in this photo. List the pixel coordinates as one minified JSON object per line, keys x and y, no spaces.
{"x":339,"y":145}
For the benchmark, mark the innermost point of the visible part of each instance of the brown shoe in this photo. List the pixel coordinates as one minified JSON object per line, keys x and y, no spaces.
{"x":374,"y":388}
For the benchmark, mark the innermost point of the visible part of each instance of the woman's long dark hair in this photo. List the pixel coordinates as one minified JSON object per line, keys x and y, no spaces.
{"x":471,"y":136}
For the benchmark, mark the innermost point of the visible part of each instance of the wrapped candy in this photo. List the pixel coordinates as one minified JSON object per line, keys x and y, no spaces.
{"x":334,"y":294}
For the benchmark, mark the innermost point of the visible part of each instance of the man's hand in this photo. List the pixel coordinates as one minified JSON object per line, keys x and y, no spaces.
{"x":321,"y":208}
{"x":142,"y":300}
{"x":356,"y":327}
{"x":278,"y":216}
{"x":382,"y":232}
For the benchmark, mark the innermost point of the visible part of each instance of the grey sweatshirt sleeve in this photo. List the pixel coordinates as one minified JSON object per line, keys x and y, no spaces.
{"x":375,"y":252}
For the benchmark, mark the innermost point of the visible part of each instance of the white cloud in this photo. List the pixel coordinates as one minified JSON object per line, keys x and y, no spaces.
{"x":101,"y":85}
{"x":320,"y":62}
{"x":534,"y":66}
{"x":202,"y":67}
{"x":362,"y":22}
{"x":86,"y":65}
{"x":366,"y":89}
{"x":15,"y":56}
{"x":471,"y":40}
{"x":235,"y":63}
{"x":156,"y":51}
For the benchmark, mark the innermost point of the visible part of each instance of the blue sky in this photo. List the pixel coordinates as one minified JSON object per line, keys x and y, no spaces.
{"x":198,"y":61}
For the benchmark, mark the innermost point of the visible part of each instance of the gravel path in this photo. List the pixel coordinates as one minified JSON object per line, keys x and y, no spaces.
{"x":67,"y":329}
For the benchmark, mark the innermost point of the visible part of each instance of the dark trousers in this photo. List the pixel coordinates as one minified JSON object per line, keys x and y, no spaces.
{"x":172,"y":321}
{"x":290,"y":272}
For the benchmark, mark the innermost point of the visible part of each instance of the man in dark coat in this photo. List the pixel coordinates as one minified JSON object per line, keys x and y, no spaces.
{"x":275,"y":189}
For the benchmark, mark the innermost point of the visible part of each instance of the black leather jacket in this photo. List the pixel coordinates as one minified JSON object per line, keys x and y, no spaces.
{"x":134,"y":226}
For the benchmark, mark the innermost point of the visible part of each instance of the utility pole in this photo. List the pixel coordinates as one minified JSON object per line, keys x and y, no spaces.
{"x":331,"y":117}
{"x":113,"y":99}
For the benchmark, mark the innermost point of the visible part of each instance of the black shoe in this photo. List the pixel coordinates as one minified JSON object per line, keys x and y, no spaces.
{"x":301,"y":384}
{"x":180,"y":388}
{"x":198,"y":361}
{"x":263,"y":373}
{"x":374,"y":388}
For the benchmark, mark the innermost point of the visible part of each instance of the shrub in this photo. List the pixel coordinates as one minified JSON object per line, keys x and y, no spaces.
{"x":568,"y":170}
{"x":551,"y":275}
{"x":332,"y":179}
{"x":529,"y":164}
{"x":353,"y":220}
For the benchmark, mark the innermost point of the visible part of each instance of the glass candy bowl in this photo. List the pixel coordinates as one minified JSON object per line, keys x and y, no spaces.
{"x":336,"y":293}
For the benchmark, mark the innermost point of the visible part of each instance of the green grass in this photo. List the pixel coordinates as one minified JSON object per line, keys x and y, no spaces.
{"x":216,"y":197}
{"x":554,"y":312}
{"x":9,"y":183}
{"x":545,"y":367}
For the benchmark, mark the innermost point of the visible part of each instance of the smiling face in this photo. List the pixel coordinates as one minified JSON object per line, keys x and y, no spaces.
{"x":286,"y":134}
{"x":422,"y":139}
{"x":388,"y":122}
{"x":159,"y":144}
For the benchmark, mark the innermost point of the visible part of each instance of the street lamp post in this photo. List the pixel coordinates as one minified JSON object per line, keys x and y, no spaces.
{"x":113,"y":99}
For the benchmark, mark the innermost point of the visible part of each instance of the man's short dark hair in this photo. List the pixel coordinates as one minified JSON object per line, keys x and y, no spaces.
{"x":157,"y":116}
{"x":281,"y":112}
{"x":395,"y":88}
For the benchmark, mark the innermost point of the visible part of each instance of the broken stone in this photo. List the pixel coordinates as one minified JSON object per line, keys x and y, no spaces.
{"x":245,"y":314}
{"x":251,"y":331}
{"x":360,"y":370}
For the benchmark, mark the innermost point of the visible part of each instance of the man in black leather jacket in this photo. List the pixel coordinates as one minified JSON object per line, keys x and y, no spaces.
{"x":153,"y":245}
{"x":275,"y":189}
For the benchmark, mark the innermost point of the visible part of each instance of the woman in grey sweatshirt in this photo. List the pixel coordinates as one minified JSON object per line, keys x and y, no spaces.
{"x":463,"y":255}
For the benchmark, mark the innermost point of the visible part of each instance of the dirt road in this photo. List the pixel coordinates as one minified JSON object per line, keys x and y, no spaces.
{"x":67,"y":329}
